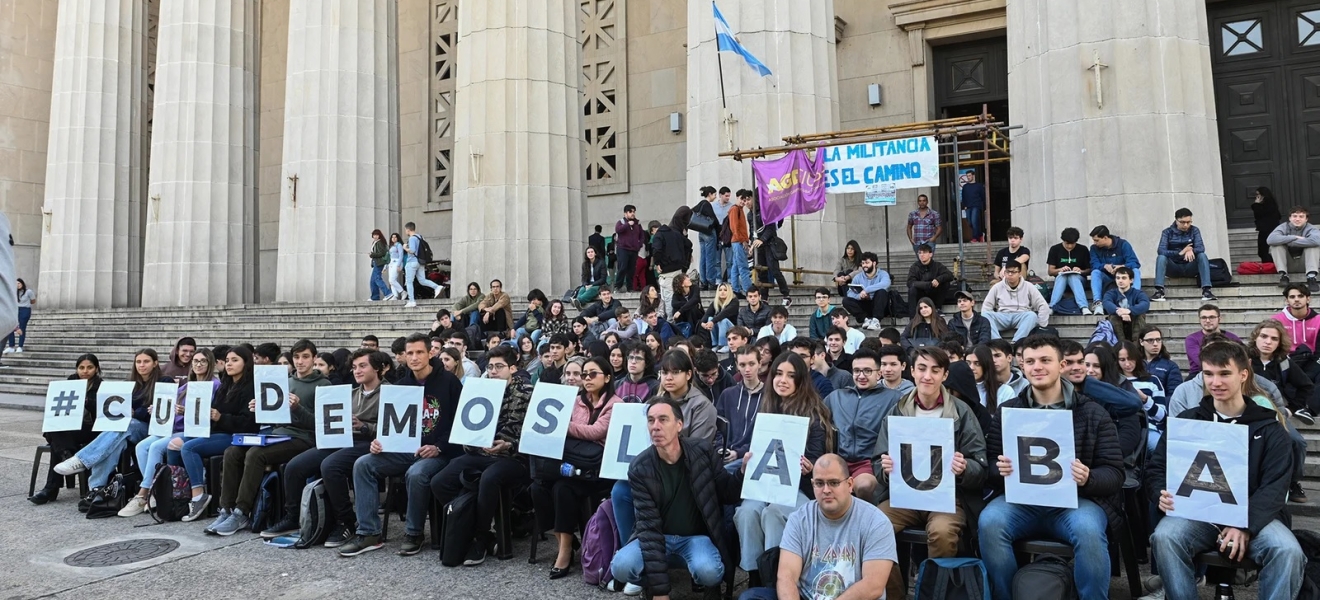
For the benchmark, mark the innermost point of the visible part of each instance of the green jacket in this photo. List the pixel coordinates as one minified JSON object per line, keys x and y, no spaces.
{"x":303,"y":425}
{"x":967,"y":439}
{"x":380,"y":254}
{"x":465,"y":305}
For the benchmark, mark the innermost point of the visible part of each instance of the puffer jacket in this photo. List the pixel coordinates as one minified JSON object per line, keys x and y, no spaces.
{"x":1269,"y":463}
{"x":713,"y":488}
{"x":1167,"y":372}
{"x":1292,"y":381}
{"x":1096,"y":439}
{"x":967,"y":439}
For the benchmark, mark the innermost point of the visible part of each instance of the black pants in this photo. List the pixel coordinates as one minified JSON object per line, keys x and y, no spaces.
{"x":872,"y":308}
{"x":334,"y":467}
{"x":498,"y":324}
{"x":558,"y":503}
{"x":772,"y":270}
{"x":64,"y":444}
{"x":496,"y":473}
{"x":924,"y":289}
{"x":627,"y":266}
{"x":1262,"y":247}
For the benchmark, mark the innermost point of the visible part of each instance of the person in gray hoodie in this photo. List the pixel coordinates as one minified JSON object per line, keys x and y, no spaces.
{"x":1293,"y":239}
{"x":676,"y":383}
{"x":857,"y":415}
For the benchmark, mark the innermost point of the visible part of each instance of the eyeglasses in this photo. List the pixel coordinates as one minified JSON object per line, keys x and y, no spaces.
{"x":1152,"y":340}
{"x":1210,"y":318}
{"x":1184,"y":221}
{"x":592,"y":374}
{"x":636,"y":359}
{"x":822,"y":483}
{"x":864,"y":372}
{"x":496,"y":366}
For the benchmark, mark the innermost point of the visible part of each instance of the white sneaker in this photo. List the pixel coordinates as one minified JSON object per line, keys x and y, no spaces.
{"x":19,"y":350}
{"x":135,"y":507}
{"x":632,"y":589}
{"x":73,"y":466}
{"x":8,"y":349}
{"x":410,"y":304}
{"x":1086,"y":311}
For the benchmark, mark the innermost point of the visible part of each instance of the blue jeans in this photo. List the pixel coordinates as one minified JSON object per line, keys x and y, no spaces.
{"x":151,"y":452}
{"x":412,"y":271}
{"x":1177,"y":541}
{"x":976,"y":218}
{"x":417,"y":474}
{"x":739,"y":276}
{"x":625,"y":517}
{"x":710,"y":259}
{"x":1023,"y":322}
{"x":698,"y":553}
{"x":1200,"y":266}
{"x":1100,"y":278}
{"x":1072,"y":281}
{"x":719,"y":335}
{"x":102,"y":455}
{"x":24,"y":314}
{"x":1084,"y":528}
{"x":195,"y":451}
{"x":379,"y":289}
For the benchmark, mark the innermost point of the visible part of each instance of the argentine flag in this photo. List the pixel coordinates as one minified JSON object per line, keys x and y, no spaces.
{"x":728,"y":43}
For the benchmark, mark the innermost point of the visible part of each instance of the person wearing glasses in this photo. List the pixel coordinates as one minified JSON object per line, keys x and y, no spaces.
{"x":1158,"y":363}
{"x":1209,"y":317}
{"x":833,"y":520}
{"x":930,"y":399}
{"x":1181,"y":253}
{"x":500,"y":465}
{"x":857,"y":413}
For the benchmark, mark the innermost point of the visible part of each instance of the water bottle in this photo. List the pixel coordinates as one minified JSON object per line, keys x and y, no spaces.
{"x":568,"y":470}
{"x":1224,"y":591}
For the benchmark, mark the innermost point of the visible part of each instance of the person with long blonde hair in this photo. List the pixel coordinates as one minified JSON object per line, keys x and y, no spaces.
{"x":720,"y":317}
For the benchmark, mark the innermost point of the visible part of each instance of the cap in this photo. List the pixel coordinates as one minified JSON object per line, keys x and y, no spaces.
{"x":963,"y":294}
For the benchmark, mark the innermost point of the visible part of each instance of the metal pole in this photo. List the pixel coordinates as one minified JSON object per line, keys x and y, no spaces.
{"x":985,"y":164}
{"x":889,"y":250}
{"x":958,"y":210}
{"x":718,"y":61}
{"x":792,"y":227}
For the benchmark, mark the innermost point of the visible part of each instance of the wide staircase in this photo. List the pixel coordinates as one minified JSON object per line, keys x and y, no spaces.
{"x":114,"y":335}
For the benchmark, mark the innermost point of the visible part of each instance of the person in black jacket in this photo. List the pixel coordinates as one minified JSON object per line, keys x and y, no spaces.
{"x":1268,"y":348}
{"x":685,"y":313}
{"x":928,"y":277}
{"x":671,"y":254}
{"x":63,"y":444}
{"x":1265,"y":213}
{"x":439,"y":407}
{"x":600,"y":315}
{"x":763,"y":237}
{"x":679,"y":488}
{"x":971,"y":327}
{"x":1266,"y":539}
{"x":719,"y":317}
{"x":1097,"y":471}
{"x":594,"y":275}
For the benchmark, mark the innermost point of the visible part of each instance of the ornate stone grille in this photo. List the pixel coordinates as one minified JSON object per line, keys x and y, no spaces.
{"x":444,"y":54}
{"x":605,"y":95}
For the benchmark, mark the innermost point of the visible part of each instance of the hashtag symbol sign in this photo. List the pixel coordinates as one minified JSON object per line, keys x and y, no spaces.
{"x":64,"y":403}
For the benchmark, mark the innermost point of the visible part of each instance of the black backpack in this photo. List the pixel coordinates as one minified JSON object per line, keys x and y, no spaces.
{"x":424,"y":254}
{"x":1310,"y":543}
{"x":460,"y":521}
{"x":1220,"y":274}
{"x":952,"y":579}
{"x":266,"y":511}
{"x":1049,"y":578}
{"x":169,"y":494}
{"x":105,"y":501}
{"x":314,"y":518}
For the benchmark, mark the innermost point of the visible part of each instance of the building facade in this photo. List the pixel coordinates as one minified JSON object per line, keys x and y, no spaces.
{"x":236,"y":151}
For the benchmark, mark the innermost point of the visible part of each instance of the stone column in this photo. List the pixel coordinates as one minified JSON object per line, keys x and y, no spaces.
{"x":91,"y":238}
{"x":1126,"y":152}
{"x":200,"y":243}
{"x":795,"y":39}
{"x":341,"y":147}
{"x":518,"y":175}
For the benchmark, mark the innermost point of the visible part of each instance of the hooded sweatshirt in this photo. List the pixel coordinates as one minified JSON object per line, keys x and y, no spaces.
{"x":1302,"y":331}
{"x":636,"y":391}
{"x":439,"y":406}
{"x":857,"y":416}
{"x":698,"y":414}
{"x":1024,"y":298}
{"x":738,"y":406}
{"x":303,"y":418}
{"x":967,"y":435}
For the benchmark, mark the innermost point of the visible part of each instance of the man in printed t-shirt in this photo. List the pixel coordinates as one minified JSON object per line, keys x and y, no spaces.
{"x":834,"y":543}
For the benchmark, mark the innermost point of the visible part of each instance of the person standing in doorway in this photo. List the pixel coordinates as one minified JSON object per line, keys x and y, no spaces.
{"x":924,"y":225}
{"x":413,"y":269}
{"x":973,"y":201}
{"x":1265,"y":212}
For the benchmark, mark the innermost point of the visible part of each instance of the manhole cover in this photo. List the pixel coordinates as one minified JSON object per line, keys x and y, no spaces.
{"x":120,"y":553}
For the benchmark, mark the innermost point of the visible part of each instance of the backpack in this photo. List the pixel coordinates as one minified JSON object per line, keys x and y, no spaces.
{"x":460,"y":521}
{"x":1104,"y":332}
{"x":314,"y":517}
{"x":169,"y":494}
{"x":266,"y":510}
{"x":1049,"y":578}
{"x":952,"y":579}
{"x":1047,"y":331}
{"x":1256,"y":268}
{"x":1310,"y":543}
{"x":424,"y":254}
{"x":779,"y":248}
{"x":599,"y":544}
{"x":1220,"y":274}
{"x":726,"y":233}
{"x":108,"y":499}
{"x":1067,"y":306}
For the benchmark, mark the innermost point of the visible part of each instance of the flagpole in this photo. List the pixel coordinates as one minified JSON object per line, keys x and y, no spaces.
{"x":723,"y":101}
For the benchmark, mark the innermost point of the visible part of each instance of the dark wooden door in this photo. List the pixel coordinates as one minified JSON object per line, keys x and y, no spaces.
{"x":1266,"y":62}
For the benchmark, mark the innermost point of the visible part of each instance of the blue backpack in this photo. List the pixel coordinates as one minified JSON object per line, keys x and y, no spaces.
{"x":952,"y":579}
{"x":265,"y":511}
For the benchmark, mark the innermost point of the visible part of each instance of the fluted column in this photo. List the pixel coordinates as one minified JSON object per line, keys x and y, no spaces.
{"x":795,"y":39}
{"x":341,"y":146}
{"x":200,"y":244}
{"x":91,"y":237}
{"x":518,"y":145}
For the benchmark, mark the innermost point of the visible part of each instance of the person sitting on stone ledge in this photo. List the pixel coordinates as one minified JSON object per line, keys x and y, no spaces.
{"x":495,"y":311}
{"x":1109,"y":252}
{"x":1293,"y":240}
{"x":1182,"y":254}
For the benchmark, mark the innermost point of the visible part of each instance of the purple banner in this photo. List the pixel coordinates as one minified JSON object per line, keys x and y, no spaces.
{"x":793,"y":184}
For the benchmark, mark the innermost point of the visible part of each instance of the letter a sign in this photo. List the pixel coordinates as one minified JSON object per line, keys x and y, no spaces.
{"x":1207,"y":471}
{"x":778,"y":442}
{"x":1042,"y":447}
{"x":922,"y":451}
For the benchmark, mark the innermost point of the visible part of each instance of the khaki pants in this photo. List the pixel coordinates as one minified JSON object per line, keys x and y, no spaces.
{"x":942,"y":533}
{"x":1284,"y":262}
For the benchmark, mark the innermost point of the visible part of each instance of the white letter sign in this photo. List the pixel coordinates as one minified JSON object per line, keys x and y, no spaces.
{"x":546,"y":426}
{"x":272,"y":394}
{"x":161,"y":421}
{"x":399,"y":422}
{"x":334,"y":417}
{"x":478,"y":412}
{"x":1207,"y":471}
{"x":197,"y":409}
{"x":64,"y":405}
{"x":626,"y":439}
{"x":114,"y":406}
{"x":922,"y":451}
{"x":773,"y":475}
{"x":1042,"y":447}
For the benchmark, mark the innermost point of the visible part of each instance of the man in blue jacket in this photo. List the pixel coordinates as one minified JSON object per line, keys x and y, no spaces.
{"x":857,"y":415}
{"x":1126,"y":305}
{"x":868,"y":293}
{"x":1181,"y":253}
{"x":1109,"y":252}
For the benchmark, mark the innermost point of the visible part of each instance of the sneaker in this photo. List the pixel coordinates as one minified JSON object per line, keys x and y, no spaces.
{"x":287,"y":526}
{"x":1207,"y":295}
{"x":1086,"y":310}
{"x":197,"y":507}
{"x":632,"y":589}
{"x":1304,"y":416}
{"x":339,"y":538}
{"x":73,"y":466}
{"x":476,"y":554}
{"x":225,"y":514}
{"x":236,"y":522}
{"x":1283,"y":280}
{"x":1296,"y":494}
{"x":412,"y":544}
{"x":1158,"y":296}
{"x":410,"y":304}
{"x":1098,"y":308}
{"x":19,"y":350}
{"x":136,"y":506}
{"x":8,"y":349}
{"x":361,"y":544}
{"x":1311,"y":284}
{"x":788,"y":302}
{"x":577,"y":304}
